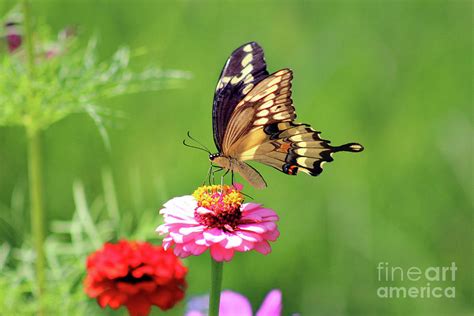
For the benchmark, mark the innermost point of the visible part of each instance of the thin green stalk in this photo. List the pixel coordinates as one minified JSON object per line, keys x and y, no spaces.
{"x":34,"y":162}
{"x":216,"y":287}
{"x":36,"y":208}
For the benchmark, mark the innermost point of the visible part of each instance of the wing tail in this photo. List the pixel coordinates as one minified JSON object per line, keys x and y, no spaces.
{"x":350,"y":147}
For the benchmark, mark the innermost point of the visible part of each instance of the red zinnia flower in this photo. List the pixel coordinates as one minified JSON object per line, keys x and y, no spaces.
{"x":135,"y":274}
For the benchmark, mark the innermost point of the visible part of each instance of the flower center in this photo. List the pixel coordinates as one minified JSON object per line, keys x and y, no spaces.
{"x":129,"y":278}
{"x":222,"y":206}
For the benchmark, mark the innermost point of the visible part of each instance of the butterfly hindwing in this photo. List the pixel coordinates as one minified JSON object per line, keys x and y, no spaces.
{"x":243,"y":70}
{"x":292,"y":147}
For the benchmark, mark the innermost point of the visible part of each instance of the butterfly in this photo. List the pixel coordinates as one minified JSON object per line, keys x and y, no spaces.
{"x":253,"y":120}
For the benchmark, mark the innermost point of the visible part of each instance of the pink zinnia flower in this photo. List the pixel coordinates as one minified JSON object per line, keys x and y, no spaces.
{"x":215,"y":218}
{"x":235,"y":304}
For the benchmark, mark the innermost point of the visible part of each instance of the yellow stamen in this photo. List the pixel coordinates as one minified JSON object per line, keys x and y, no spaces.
{"x":210,"y":195}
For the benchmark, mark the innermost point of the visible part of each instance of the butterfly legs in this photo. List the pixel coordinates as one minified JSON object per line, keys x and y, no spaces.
{"x":217,"y":167}
{"x":208,"y":176}
{"x":214,"y":173}
{"x":226,"y":173}
{"x":211,"y":174}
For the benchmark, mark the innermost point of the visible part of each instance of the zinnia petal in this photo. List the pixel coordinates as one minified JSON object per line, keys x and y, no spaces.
{"x":232,"y":241}
{"x":234,"y":304}
{"x":220,"y":253}
{"x":249,"y":236}
{"x":181,"y":203}
{"x":254,"y":227}
{"x":263,"y":247}
{"x":214,"y":235}
{"x":271,"y":305}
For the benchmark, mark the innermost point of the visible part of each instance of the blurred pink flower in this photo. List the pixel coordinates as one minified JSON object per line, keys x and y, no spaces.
{"x":235,"y":304}
{"x":214,"y":218}
{"x":13,"y":36}
{"x":47,"y":50}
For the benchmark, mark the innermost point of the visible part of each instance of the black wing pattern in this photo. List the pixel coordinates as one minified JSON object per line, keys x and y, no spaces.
{"x":243,"y":70}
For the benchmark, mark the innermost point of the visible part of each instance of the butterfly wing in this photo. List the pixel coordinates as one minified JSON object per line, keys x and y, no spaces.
{"x":291,"y":147}
{"x":268,"y":102}
{"x":243,"y":70}
{"x":262,"y":129}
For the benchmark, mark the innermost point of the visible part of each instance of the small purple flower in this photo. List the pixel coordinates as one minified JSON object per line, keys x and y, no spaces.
{"x":235,"y":304}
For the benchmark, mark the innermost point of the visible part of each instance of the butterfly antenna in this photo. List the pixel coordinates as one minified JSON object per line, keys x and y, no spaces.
{"x":195,"y":147}
{"x":198,"y":142}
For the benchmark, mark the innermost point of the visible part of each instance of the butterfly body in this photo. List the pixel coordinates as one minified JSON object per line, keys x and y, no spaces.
{"x":253,"y":120}
{"x":247,"y":172}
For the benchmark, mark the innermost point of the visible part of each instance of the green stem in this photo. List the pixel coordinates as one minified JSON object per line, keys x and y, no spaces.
{"x":216,"y":286}
{"x":36,"y":208}
{"x":34,"y":162}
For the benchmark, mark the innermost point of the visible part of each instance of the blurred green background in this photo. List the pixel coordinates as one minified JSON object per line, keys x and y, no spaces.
{"x":395,"y":76}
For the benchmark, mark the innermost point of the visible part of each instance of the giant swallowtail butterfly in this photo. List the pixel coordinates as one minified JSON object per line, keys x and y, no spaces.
{"x":253,"y":119}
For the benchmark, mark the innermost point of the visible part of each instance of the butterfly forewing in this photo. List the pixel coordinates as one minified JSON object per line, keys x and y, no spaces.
{"x":269,"y":102}
{"x":242,"y":71}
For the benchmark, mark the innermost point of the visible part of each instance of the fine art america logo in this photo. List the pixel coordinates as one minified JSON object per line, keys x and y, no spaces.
{"x":416,"y":282}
